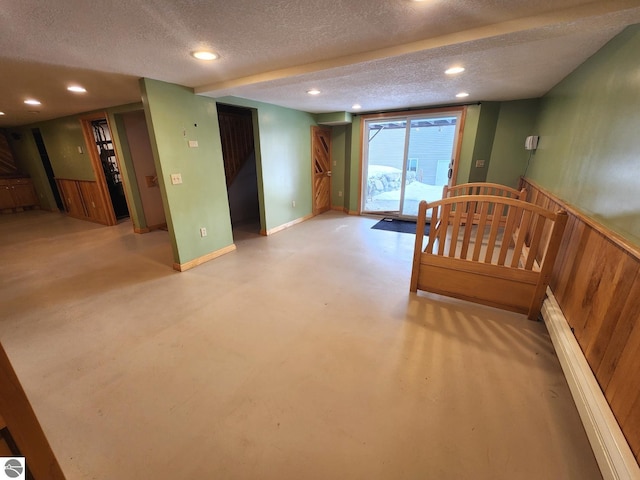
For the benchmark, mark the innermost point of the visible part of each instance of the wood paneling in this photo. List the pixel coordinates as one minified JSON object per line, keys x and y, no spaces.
{"x":7,"y":162}
{"x":596,"y":281}
{"x":236,"y":134}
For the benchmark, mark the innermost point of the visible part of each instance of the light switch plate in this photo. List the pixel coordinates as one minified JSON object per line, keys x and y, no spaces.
{"x":193,"y":143}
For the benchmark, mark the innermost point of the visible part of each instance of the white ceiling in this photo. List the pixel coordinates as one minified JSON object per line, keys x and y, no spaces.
{"x":382,"y":54}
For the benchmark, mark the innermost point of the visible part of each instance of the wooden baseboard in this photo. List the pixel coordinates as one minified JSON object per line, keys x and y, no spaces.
{"x":151,"y":228}
{"x":271,"y":231}
{"x":181,"y":267}
{"x":612,"y":452}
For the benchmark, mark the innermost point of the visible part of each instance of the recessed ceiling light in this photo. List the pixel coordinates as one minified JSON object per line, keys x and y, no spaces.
{"x":31,"y":101}
{"x":76,"y":89}
{"x":462,"y":95}
{"x":1,"y":113}
{"x":205,"y":55}
{"x":313,"y":91}
{"x":356,"y":106}
{"x":454,"y":70}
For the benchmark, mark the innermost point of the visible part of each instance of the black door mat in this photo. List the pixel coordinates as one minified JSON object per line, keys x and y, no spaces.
{"x":396,"y":225}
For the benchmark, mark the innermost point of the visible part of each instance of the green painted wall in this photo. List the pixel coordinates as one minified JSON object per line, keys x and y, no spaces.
{"x":62,"y":137}
{"x":589,"y":141}
{"x":516,"y":121}
{"x":283,"y":157}
{"x":131,"y":191}
{"x":353,"y":169}
{"x":174,"y":116}
{"x":483,"y":143}
{"x":339,"y":156}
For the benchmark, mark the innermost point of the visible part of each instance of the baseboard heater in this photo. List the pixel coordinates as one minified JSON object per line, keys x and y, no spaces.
{"x":612,"y":452}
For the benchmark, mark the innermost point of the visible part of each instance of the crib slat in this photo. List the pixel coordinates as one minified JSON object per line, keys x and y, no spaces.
{"x":482,"y":223}
{"x":521,"y":232}
{"x":535,"y":241}
{"x":491,"y":245}
{"x":444,"y":224}
{"x":513,"y":217}
{"x":434,"y":229}
{"x":471,"y":216}
{"x":456,"y":229}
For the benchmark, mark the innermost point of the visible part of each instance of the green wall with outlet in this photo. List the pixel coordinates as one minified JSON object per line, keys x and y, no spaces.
{"x":589,"y":141}
{"x":283,"y":157}
{"x":175,"y":115}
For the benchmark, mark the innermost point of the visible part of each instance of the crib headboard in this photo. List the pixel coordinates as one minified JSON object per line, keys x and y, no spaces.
{"x":503,"y":258}
{"x":483,"y":188}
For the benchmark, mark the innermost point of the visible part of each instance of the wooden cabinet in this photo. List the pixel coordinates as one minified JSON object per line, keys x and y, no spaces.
{"x":82,"y":200}
{"x":17,"y":193}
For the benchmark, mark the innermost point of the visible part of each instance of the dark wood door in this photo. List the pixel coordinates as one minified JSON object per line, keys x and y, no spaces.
{"x":321,"y":168}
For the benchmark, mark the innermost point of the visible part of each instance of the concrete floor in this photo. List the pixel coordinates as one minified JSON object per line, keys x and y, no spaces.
{"x":298,"y":356}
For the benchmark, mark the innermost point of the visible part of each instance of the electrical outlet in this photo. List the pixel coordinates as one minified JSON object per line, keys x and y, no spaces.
{"x":176,"y":178}
{"x":203,"y":232}
{"x":193,"y":144}
{"x":479,"y":163}
{"x":293,"y":203}
{"x":340,"y":193}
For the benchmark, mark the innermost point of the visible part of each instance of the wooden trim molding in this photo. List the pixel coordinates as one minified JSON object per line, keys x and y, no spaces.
{"x":284,"y":226}
{"x":181,"y":267}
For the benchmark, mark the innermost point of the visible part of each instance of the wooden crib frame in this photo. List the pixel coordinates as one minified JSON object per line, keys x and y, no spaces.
{"x":503,"y":258}
{"x":483,"y":188}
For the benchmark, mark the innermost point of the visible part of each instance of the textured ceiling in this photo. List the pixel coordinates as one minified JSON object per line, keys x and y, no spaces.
{"x":382,"y":54}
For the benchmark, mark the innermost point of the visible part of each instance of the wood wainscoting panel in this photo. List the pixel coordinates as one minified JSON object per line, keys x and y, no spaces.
{"x":596,"y":281}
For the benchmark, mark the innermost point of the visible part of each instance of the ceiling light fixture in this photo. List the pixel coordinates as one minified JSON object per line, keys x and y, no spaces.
{"x":1,"y":113}
{"x":205,"y":55}
{"x":454,"y":70}
{"x":356,"y":106}
{"x":462,"y":95}
{"x":76,"y":89}
{"x":313,"y":91}
{"x":31,"y":101}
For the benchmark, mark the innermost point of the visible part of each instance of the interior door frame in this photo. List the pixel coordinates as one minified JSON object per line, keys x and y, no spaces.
{"x":90,"y":145}
{"x":461,"y":109}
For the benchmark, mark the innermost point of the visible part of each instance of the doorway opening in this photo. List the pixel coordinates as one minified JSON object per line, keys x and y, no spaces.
{"x":240,"y":165}
{"x":408,"y":158}
{"x":107,"y":155}
{"x":46,"y":163}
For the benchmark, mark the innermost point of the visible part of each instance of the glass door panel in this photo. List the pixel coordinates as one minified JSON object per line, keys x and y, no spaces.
{"x":430,"y":154}
{"x":407,"y":159}
{"x":384,"y":164}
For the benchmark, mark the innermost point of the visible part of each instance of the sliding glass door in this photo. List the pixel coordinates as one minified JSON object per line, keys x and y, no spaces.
{"x":406,"y":159}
